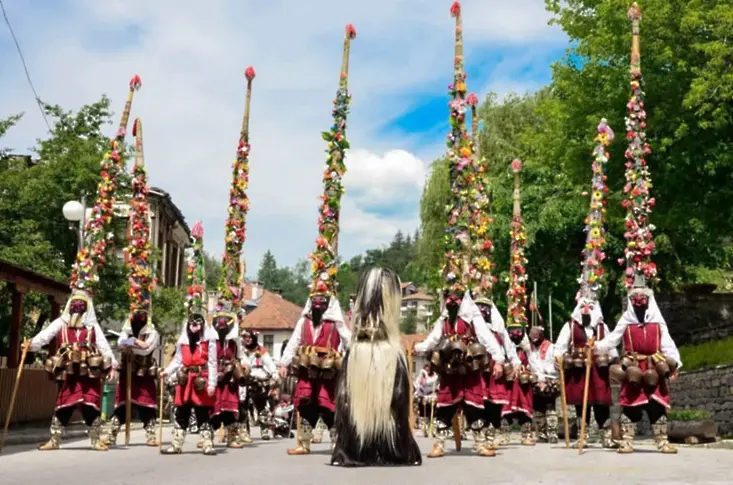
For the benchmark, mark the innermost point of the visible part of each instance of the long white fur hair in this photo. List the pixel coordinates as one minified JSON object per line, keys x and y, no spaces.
{"x":374,"y":353}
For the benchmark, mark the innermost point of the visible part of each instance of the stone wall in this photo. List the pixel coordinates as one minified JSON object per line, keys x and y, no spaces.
{"x":696,"y":318}
{"x":707,"y":390}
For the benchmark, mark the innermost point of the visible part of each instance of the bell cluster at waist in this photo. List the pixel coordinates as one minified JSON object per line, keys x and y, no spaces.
{"x":142,"y":365}
{"x":459,"y":355}
{"x":77,"y":359}
{"x":317,"y":362}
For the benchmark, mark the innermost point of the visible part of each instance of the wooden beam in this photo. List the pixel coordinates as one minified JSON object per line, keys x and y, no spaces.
{"x":15,"y":324}
{"x":32,"y":285}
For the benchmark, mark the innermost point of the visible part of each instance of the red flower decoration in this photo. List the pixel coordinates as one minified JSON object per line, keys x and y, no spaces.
{"x":249,"y":73}
{"x":455,"y":9}
{"x":351,"y":31}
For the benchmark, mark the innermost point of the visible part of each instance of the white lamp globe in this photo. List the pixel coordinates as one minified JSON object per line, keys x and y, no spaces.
{"x":73,"y":211}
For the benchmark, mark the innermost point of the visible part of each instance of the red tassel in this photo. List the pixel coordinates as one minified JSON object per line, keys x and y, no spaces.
{"x":350,"y":31}
{"x":455,"y":9}
{"x":135,"y":82}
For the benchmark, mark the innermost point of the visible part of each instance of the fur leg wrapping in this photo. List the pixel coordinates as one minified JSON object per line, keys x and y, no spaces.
{"x":527,"y":438}
{"x":233,"y":436}
{"x":628,"y":431}
{"x":150,"y":433}
{"x":504,"y":433}
{"x":265,"y":432}
{"x":332,"y":438}
{"x":441,"y":433}
{"x":552,"y":424}
{"x":243,"y":437}
{"x":659,"y":430}
{"x":479,"y":443}
{"x":95,"y":435}
{"x":179,"y":436}
{"x":540,"y":425}
{"x":607,"y":436}
{"x":490,"y":435}
{"x":305,"y":438}
{"x":208,"y":440}
{"x":113,"y":431}
{"x":318,"y":431}
{"x":54,"y":443}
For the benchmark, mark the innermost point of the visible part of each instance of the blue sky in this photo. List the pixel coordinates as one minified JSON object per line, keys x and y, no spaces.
{"x":191,"y":61}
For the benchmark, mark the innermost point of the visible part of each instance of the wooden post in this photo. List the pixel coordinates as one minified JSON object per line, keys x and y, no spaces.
{"x":55,"y":307}
{"x":15,"y":323}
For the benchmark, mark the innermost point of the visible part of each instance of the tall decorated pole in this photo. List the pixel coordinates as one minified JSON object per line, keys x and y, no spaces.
{"x":195,"y":274}
{"x":593,"y":273}
{"x":455,"y":270}
{"x":98,"y":231}
{"x":140,"y":275}
{"x":517,"y":293}
{"x":230,"y":297}
{"x":325,"y":257}
{"x":481,"y":279}
{"x":640,"y":269}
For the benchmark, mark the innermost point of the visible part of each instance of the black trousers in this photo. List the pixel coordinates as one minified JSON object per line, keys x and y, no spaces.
{"x":224,"y":418}
{"x":492,"y":413}
{"x":183,"y":415}
{"x":542,"y":403}
{"x":444,"y":414}
{"x":89,"y":413}
{"x":653,"y":409}
{"x":521,"y":418}
{"x":600,"y":412}
{"x":310,"y":413}
{"x":146,"y":415}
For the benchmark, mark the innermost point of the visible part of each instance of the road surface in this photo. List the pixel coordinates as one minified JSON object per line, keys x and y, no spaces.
{"x":267,"y":463}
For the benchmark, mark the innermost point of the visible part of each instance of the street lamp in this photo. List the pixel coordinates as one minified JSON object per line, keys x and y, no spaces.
{"x":77,"y":212}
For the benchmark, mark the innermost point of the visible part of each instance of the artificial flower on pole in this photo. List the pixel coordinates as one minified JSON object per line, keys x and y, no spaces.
{"x":324,"y":259}
{"x":517,"y":293}
{"x":98,"y":230}
{"x":195,"y":274}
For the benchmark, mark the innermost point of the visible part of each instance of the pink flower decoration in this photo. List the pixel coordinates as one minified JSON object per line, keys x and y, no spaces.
{"x":455,"y":9}
{"x":135,"y":82}
{"x":517,"y":165}
{"x":249,"y":73}
{"x":472,"y":99}
{"x":198,"y":230}
{"x":351,"y":31}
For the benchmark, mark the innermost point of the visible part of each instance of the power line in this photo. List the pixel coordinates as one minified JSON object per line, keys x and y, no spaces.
{"x":25,"y":66}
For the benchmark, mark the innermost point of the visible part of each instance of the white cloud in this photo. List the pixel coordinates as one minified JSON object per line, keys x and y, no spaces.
{"x":191,"y":59}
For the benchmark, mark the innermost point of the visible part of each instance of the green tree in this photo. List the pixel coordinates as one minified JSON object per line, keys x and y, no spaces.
{"x":169,"y":312}
{"x":212,"y":269}
{"x":267,"y":274}
{"x":408,"y":325}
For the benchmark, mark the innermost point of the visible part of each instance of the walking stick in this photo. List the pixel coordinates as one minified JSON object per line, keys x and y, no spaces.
{"x":433,"y":398}
{"x":588,"y":364}
{"x":128,"y":402}
{"x":564,"y":401}
{"x":23,"y":354}
{"x":410,"y":350}
{"x":457,"y":430}
{"x":160,"y":421}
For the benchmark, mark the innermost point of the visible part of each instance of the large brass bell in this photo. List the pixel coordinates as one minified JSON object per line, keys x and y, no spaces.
{"x":671,"y":363}
{"x":617,"y":373}
{"x":153,"y":371}
{"x":75,"y":355}
{"x":651,"y":377}
{"x":70,"y":368}
{"x":338,"y":360}
{"x":578,"y":361}
{"x":508,"y":372}
{"x":95,"y":361}
{"x":567,"y":361}
{"x":533,"y":378}
{"x":524,"y":378}
{"x":634,"y":375}
{"x":662,"y":368}
{"x":48,"y":365}
{"x":182,"y":378}
{"x":602,"y":360}
{"x":199,"y":384}
{"x":84,"y":369}
{"x":626,"y":361}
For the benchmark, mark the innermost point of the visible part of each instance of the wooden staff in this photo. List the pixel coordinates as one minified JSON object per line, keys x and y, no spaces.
{"x":433,"y":398}
{"x":564,"y":401}
{"x":26,"y":346}
{"x":160,"y":420}
{"x":410,"y":350}
{"x":588,"y":365}
{"x":128,"y":403}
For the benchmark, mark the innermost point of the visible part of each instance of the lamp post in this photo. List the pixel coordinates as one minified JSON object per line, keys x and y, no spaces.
{"x":77,"y":212}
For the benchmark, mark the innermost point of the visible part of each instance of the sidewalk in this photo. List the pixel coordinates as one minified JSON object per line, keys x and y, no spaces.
{"x":34,"y":433}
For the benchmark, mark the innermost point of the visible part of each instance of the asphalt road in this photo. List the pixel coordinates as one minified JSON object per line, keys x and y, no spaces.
{"x":267,"y":463}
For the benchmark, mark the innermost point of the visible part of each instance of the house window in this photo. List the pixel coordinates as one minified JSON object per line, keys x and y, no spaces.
{"x":268,"y":341}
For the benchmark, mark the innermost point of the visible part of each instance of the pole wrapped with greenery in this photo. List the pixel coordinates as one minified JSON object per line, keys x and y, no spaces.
{"x":324,"y":259}
{"x":637,"y":200}
{"x":230,"y":298}
{"x":195,"y":274}
{"x":98,"y":232}
{"x":455,"y":270}
{"x":138,"y":257}
{"x":517,"y":293}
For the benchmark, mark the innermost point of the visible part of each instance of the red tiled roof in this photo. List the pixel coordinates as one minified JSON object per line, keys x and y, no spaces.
{"x":406,"y":284}
{"x":418,"y":296}
{"x":272,"y":313}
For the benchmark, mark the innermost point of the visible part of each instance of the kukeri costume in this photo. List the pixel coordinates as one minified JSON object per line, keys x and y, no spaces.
{"x":83,"y":354}
{"x":461,"y":343}
{"x":426,"y":394}
{"x":255,"y":394}
{"x":546,"y":389}
{"x":195,"y":360}
{"x":138,"y":337}
{"x":456,"y":335}
{"x":321,"y":334}
{"x":314,"y":351}
{"x":373,"y":395}
{"x":586,"y":321}
{"x":82,"y":359}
